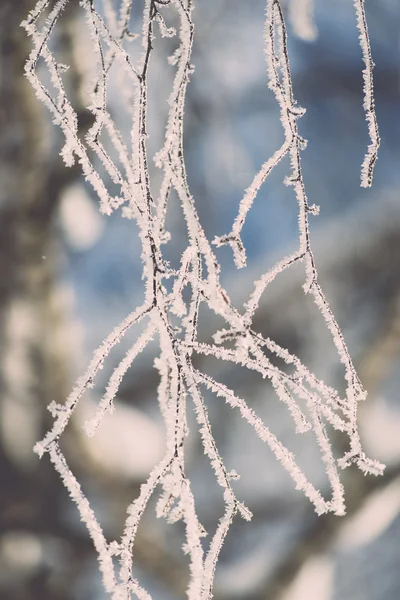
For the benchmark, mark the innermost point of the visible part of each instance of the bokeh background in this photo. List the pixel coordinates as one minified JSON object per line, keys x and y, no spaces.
{"x":68,"y":275}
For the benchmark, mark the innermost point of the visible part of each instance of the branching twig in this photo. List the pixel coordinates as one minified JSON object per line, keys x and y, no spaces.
{"x":199,"y":271}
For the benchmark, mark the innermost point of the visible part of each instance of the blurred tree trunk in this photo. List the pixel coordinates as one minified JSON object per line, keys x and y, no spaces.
{"x":32,"y":362}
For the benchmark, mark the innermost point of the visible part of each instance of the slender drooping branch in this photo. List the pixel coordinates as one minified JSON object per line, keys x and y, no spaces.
{"x":310,"y":402}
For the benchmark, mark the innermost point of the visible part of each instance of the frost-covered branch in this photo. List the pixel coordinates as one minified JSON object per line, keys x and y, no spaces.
{"x":367,"y":169}
{"x":311,"y":403}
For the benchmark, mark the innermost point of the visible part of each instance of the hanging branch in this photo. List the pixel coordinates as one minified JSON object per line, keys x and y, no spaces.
{"x":310,"y":402}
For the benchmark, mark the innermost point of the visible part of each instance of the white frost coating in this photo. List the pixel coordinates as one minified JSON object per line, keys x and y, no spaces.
{"x":106,"y":403}
{"x":310,"y":402}
{"x":87,"y":516}
{"x":367,"y":169}
{"x":282,"y":454}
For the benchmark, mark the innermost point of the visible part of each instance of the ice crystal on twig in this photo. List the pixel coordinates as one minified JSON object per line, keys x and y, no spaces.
{"x":198,"y":275}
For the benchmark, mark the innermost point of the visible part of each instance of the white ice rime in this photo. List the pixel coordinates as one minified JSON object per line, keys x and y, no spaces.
{"x":367,"y":169}
{"x":311,"y":403}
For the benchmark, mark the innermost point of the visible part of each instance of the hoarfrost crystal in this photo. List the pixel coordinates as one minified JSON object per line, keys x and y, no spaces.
{"x":198,"y":274}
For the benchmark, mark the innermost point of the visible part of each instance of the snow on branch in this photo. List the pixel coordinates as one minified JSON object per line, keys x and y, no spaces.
{"x":311,"y":403}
